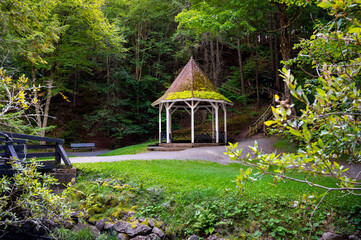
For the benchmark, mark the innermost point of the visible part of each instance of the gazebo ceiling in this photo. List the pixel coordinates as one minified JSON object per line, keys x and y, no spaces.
{"x":192,"y":84}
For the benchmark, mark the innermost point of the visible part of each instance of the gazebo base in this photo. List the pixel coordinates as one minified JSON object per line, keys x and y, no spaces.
{"x":181,"y":146}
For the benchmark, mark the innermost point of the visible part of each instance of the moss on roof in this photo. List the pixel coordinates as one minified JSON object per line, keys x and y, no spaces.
{"x":192,"y":83}
{"x":196,"y":94}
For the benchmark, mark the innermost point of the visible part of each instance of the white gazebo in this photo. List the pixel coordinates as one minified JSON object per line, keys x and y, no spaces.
{"x":192,"y":91}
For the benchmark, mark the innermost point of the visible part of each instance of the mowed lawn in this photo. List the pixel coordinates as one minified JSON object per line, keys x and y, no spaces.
{"x":179,"y":177}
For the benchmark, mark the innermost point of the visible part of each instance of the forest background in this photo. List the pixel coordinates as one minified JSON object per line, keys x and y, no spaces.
{"x":100,"y":64}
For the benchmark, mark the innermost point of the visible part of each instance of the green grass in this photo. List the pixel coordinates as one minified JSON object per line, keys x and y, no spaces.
{"x":285,"y":145}
{"x":197,"y":197}
{"x":133,"y":149}
{"x":181,"y":177}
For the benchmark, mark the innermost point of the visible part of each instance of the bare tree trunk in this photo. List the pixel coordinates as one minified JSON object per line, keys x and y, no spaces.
{"x":108,"y":80}
{"x":213,"y":61}
{"x":277,"y":64}
{"x":137,"y":55}
{"x":218,"y":63}
{"x":37,"y":104}
{"x":75,"y":88}
{"x":257,"y":87}
{"x":271,"y":45}
{"x":285,"y":48}
{"x":206,"y":57}
{"x":240,"y":61}
{"x":49,"y":86}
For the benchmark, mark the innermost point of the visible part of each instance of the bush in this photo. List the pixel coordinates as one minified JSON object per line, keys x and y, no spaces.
{"x":25,"y":198}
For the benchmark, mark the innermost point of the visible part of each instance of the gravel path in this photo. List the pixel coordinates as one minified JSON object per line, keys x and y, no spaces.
{"x":213,"y":154}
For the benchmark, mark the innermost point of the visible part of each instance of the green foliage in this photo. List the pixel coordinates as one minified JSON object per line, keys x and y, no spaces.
{"x":329,"y":124}
{"x":26,"y":197}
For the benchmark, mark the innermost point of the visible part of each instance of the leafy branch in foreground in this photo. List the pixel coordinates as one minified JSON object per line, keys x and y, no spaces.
{"x":26,"y":198}
{"x":329,"y":127}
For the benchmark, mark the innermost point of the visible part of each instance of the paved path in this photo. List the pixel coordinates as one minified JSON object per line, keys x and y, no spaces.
{"x":213,"y":154}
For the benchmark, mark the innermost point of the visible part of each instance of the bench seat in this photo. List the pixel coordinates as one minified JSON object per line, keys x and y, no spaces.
{"x":82,"y":146}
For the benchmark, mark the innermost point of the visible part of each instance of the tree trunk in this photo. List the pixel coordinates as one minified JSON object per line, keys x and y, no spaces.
{"x":37,"y":104}
{"x":285,"y":48}
{"x":48,"y":100}
{"x":257,"y":87}
{"x":213,"y":61}
{"x":218,"y":63}
{"x":108,"y":80}
{"x":206,"y":57}
{"x":243,"y":87}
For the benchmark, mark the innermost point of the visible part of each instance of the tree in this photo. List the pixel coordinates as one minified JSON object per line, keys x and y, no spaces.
{"x":53,"y":38}
{"x":17,"y":97}
{"x":215,"y":22}
{"x":329,"y":126}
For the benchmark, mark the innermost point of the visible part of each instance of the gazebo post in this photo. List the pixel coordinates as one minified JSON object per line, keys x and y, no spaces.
{"x":225,"y":122}
{"x":160,"y":122}
{"x":192,"y":122}
{"x":212,"y":124}
{"x":168,"y":106}
{"x":167,"y":120}
{"x":217,"y":125}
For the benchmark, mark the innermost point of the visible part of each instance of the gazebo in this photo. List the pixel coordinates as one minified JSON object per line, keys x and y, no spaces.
{"x":192,"y":91}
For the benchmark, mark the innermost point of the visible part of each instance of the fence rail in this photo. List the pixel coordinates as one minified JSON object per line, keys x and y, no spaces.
{"x":15,"y":146}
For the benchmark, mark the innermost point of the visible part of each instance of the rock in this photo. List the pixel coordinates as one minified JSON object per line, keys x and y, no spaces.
{"x":81,"y":226}
{"x":141,"y":238}
{"x":121,"y":226}
{"x":76,"y":215}
{"x":139,"y":229}
{"x":193,"y":237}
{"x":154,"y":237}
{"x":331,"y":236}
{"x":122,"y":236}
{"x":101,"y":223}
{"x":148,"y":237}
{"x":141,"y":219}
{"x":354,"y":237}
{"x":212,"y":237}
{"x":68,"y":224}
{"x":131,"y":214}
{"x":108,"y":226}
{"x":151,"y":222}
{"x":159,"y":232}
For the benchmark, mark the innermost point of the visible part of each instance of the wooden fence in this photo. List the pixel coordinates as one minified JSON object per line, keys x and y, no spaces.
{"x":14,"y":146}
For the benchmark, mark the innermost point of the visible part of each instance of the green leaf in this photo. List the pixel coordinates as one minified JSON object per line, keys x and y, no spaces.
{"x":325,"y":4}
{"x":321,"y":92}
{"x":295,"y":132}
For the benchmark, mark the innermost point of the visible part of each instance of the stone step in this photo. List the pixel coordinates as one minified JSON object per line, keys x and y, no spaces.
{"x":165,"y":149}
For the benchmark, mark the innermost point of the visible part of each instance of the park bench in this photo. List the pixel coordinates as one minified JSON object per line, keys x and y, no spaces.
{"x":75,"y":146}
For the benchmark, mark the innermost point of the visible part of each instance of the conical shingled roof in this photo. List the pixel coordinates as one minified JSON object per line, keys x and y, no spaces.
{"x":191,"y":83}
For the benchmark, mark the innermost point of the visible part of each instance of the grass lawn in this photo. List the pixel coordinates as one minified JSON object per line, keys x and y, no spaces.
{"x":182,"y":177}
{"x":199,"y":197}
{"x":133,"y":149}
{"x":285,"y":145}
